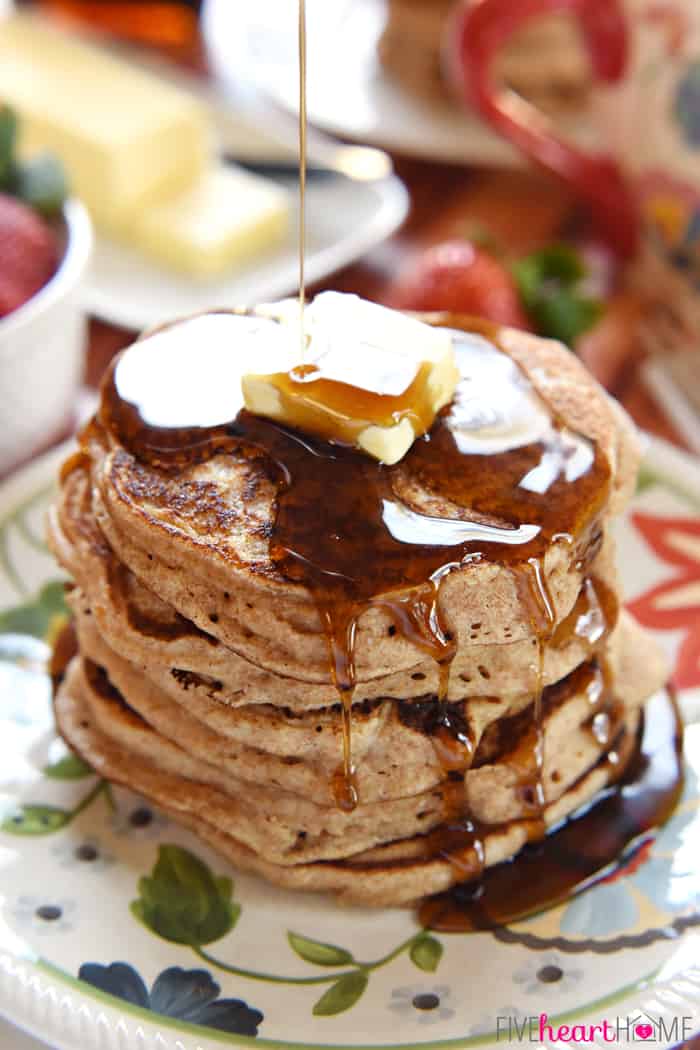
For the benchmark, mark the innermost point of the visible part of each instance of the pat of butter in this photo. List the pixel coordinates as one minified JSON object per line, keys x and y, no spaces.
{"x":370,"y":377}
{"x":224,"y":219}
{"x":125,"y":137}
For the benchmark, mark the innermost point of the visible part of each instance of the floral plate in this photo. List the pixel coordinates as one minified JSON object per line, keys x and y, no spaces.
{"x":119,"y":929}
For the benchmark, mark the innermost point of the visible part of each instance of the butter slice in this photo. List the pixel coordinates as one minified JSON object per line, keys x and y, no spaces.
{"x":370,"y":377}
{"x":125,"y":137}
{"x":225,"y":218}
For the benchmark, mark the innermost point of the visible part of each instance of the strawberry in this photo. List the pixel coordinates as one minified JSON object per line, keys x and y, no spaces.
{"x":28,"y":253}
{"x":461,"y":278}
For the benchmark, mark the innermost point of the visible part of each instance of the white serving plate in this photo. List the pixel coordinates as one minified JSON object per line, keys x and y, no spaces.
{"x":628,"y":949}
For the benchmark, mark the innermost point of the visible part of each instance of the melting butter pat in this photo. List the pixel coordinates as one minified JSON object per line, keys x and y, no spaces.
{"x":224,"y":219}
{"x":370,"y":377}
{"x":126,"y":137}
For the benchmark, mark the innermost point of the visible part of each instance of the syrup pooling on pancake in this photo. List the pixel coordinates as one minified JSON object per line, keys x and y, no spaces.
{"x":510,"y":482}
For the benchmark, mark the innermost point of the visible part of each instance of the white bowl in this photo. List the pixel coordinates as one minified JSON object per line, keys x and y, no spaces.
{"x":42,"y":350}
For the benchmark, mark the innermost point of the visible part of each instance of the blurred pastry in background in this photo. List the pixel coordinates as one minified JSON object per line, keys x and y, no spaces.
{"x":545,"y":63}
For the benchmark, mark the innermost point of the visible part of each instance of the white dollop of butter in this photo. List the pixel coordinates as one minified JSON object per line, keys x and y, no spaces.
{"x":371,"y":376}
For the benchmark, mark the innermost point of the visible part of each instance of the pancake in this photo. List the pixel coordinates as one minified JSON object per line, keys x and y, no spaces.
{"x":201,"y":540}
{"x":182,"y":657}
{"x":397,"y":873}
{"x":293,"y":820}
{"x":261,"y":745}
{"x":314,"y":734}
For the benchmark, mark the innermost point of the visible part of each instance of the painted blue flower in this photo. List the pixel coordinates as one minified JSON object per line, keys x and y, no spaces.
{"x":426,"y":1004}
{"x":671,"y":878}
{"x":136,"y":818}
{"x":607,"y":908}
{"x":663,"y":867}
{"x":44,"y":916}
{"x":686,"y":106}
{"x":87,"y":853}
{"x":550,"y":973}
{"x":189,"y":995}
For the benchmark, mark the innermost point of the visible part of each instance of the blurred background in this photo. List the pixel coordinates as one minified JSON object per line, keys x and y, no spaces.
{"x":148,"y":168}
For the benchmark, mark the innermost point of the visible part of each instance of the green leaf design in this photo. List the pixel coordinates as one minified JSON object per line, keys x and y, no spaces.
{"x":183,"y":902}
{"x":426,"y":953}
{"x":40,"y":616}
{"x":318,"y":952}
{"x":70,"y":767}
{"x":342,"y":995}
{"x":35,"y":820}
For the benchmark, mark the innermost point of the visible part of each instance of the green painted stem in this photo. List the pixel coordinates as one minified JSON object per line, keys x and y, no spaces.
{"x":255,"y":975}
{"x":109,"y":796}
{"x":403,"y":947}
{"x":326,"y":978}
{"x":101,"y":787}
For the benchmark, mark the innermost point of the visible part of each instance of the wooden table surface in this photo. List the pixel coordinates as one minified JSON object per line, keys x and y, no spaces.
{"x":521,"y":211}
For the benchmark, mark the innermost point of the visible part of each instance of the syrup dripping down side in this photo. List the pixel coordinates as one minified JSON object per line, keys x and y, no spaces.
{"x":344,"y":527}
{"x":588,"y":847}
{"x":461,"y":839}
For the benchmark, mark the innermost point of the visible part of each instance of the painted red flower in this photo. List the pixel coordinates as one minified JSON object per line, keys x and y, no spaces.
{"x":634,"y":862}
{"x":674,"y":604}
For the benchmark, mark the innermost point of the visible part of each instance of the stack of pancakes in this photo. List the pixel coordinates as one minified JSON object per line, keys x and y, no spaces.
{"x":202,"y":679}
{"x":545,"y":62}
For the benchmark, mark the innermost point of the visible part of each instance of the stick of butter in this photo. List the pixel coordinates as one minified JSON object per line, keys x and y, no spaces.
{"x":125,"y":137}
{"x":370,"y":377}
{"x":224,"y":219}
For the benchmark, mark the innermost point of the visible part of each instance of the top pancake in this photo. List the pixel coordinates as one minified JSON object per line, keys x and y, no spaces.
{"x":202,"y":538}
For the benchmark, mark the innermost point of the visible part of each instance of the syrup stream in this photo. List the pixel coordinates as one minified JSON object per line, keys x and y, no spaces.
{"x":302,"y":175}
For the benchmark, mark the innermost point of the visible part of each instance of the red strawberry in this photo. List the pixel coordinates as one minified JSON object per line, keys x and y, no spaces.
{"x":28,"y":253}
{"x":461,"y":278}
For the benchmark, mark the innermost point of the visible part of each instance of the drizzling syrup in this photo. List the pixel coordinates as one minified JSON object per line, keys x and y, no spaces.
{"x":302,"y":175}
{"x":593,"y":616}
